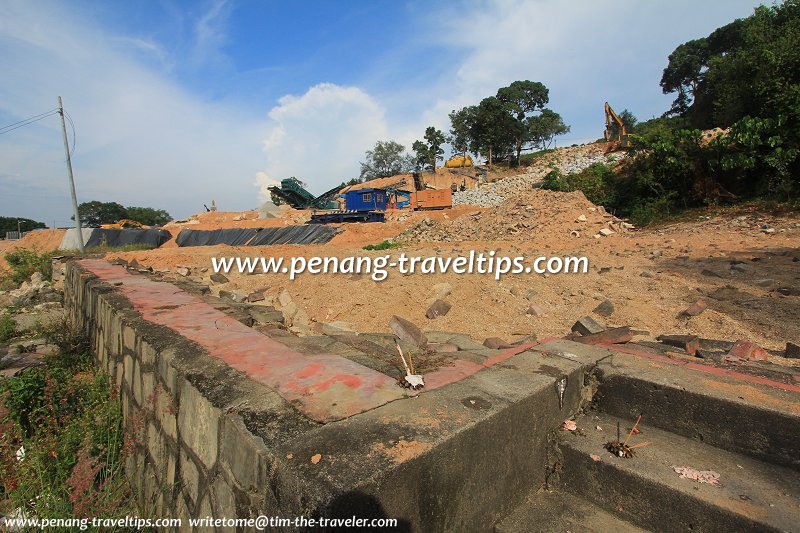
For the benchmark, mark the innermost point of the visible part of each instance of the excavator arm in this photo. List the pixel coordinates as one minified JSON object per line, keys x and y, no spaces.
{"x":613,"y":119}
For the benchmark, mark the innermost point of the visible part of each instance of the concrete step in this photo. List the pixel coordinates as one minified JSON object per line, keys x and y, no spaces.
{"x":737,"y":412}
{"x":644,"y":489}
{"x":552,"y":512}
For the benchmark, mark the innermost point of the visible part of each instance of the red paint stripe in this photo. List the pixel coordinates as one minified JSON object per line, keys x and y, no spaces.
{"x":324,"y":387}
{"x":462,"y":369}
{"x":723,"y":372}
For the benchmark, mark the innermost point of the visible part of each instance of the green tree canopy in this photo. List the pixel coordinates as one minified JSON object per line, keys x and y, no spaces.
{"x":148,"y":216}
{"x":501,"y":126}
{"x":95,"y":213}
{"x":543,"y":128}
{"x":387,"y":158}
{"x":429,"y":152}
{"x":25,"y":224}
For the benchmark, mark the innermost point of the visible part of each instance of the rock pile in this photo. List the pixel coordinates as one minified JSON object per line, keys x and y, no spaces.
{"x":536,"y":212}
{"x":567,"y":161}
{"x":30,"y":293}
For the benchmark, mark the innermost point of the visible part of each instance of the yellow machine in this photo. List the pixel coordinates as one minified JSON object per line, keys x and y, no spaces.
{"x":458,"y":162}
{"x":124,"y":223}
{"x":621,"y":141}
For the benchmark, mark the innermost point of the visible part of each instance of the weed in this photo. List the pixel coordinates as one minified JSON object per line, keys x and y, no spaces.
{"x":61,"y":439}
{"x":74,"y":349}
{"x":8,"y":328}
{"x":385,"y":245}
{"x":23,"y":263}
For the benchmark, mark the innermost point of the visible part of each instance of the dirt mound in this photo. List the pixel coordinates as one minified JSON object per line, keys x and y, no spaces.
{"x":45,"y":240}
{"x":536,"y":213}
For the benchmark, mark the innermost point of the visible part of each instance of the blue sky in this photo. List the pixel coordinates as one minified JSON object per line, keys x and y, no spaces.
{"x":176,"y":103}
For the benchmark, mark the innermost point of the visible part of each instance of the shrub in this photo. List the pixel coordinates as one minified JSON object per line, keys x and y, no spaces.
{"x":74,"y":348}
{"x":8,"y":328}
{"x":596,"y":182}
{"x":385,"y":245}
{"x":554,"y":181}
{"x":24,"y":263}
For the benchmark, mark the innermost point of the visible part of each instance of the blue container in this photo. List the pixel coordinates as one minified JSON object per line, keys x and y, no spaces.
{"x":366,"y":200}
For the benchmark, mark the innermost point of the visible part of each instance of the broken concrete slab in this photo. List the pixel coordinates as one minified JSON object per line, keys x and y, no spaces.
{"x":408,"y":332}
{"x":606,"y":309}
{"x":265,"y":315}
{"x":256,"y":296}
{"x":234,"y":296}
{"x":748,"y":350}
{"x":444,"y":347}
{"x":788,"y":291}
{"x":438,"y":308}
{"x":338,"y":327}
{"x":609,"y":336}
{"x":605,"y":232}
{"x":689,"y":343}
{"x":216,"y":277}
{"x":284,"y":298}
{"x":587,"y":326}
{"x":696,"y":308}
{"x":792,"y":350}
{"x":496,"y":343}
{"x":535,"y":310}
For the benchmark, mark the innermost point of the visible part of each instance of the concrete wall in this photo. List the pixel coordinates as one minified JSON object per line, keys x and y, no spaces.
{"x":189,"y":457}
{"x":209,"y":441}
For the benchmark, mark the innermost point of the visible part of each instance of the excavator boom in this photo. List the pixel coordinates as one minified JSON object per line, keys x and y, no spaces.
{"x":613,"y":119}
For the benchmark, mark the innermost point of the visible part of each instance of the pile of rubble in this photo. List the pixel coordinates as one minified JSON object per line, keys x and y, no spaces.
{"x":566,"y":160}
{"x":534,"y":212}
{"x":31,"y":293}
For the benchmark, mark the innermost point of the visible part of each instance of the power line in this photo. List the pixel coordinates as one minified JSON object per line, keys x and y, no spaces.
{"x":31,"y":120}
{"x":72,"y":125}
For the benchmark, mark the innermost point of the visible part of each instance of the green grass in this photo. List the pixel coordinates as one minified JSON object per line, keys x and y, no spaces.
{"x":67,"y":418}
{"x":385,"y":245}
{"x":8,"y":328}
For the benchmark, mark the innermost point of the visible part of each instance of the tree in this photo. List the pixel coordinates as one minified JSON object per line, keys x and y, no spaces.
{"x":430,"y":151}
{"x":522,"y":99}
{"x":685,"y":73}
{"x":494,"y":130}
{"x":628,"y":119}
{"x":462,"y":123}
{"x":543,"y":128}
{"x":14,"y":223}
{"x":148,"y":216}
{"x":95,"y":213}
{"x":387,"y":158}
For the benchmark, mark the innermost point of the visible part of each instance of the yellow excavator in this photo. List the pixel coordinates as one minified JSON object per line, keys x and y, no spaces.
{"x":619,"y":141}
{"x":123,"y":224}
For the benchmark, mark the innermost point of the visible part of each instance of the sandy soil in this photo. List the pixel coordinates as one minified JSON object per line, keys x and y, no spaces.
{"x":724,"y":257}
{"x":41,"y":240}
{"x":649,"y":275}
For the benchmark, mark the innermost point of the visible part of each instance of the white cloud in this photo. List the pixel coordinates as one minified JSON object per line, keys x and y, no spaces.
{"x":584,"y":51}
{"x":320,"y":136}
{"x":141,"y":138}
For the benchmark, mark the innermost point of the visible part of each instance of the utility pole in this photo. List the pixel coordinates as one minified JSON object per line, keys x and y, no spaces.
{"x":71,"y":179}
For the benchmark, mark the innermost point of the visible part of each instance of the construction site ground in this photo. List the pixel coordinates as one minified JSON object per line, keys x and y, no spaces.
{"x":748,"y":278}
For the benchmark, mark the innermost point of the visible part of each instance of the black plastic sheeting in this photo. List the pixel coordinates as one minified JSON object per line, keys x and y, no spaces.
{"x":294,"y":235}
{"x":311,"y":234}
{"x":232,"y":236}
{"x":128,"y":236}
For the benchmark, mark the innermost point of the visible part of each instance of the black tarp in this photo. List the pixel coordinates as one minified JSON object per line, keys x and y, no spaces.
{"x":230,"y":236}
{"x":257,"y":236}
{"x":309,"y":234}
{"x":128,"y":236}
